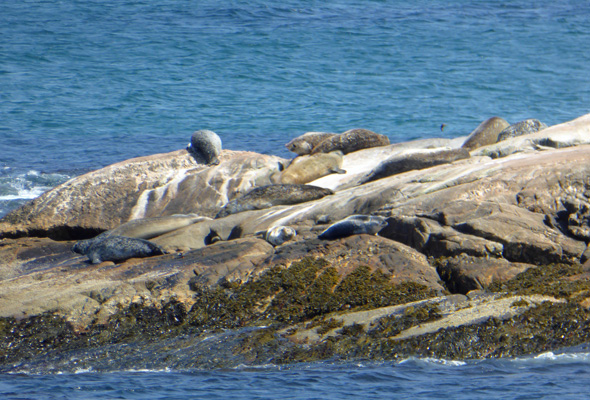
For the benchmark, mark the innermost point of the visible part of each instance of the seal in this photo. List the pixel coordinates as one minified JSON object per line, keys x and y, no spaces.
{"x":147,"y":228}
{"x":206,"y":144}
{"x":308,"y":168}
{"x":277,"y":235}
{"x":521,"y":128}
{"x":350,"y":141}
{"x":486,"y":133}
{"x":305,"y":143}
{"x":354,"y":225}
{"x":116,"y":248}
{"x":273,"y":195}
{"x":418,"y":159}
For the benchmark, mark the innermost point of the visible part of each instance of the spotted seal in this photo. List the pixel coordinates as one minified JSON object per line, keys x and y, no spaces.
{"x":116,"y":248}
{"x":354,"y":225}
{"x":305,"y":143}
{"x":147,"y":228}
{"x":273,"y":195}
{"x":521,"y":128}
{"x":417,"y":159}
{"x":277,"y":235}
{"x":206,"y":144}
{"x":486,"y":133}
{"x":351,"y":141}
{"x":308,"y":168}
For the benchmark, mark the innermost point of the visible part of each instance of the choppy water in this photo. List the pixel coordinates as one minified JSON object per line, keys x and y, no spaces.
{"x":87,"y":83}
{"x":546,"y":376}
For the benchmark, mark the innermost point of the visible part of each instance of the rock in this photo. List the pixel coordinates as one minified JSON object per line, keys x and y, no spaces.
{"x":521,"y":128}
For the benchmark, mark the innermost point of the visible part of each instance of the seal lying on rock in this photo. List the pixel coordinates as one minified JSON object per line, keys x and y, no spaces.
{"x":308,"y":168}
{"x":278,"y":235}
{"x":147,"y":228}
{"x":354,"y":225}
{"x":273,"y":195}
{"x":305,"y":143}
{"x":418,"y":159}
{"x":350,"y":141}
{"x":116,"y":248}
{"x":521,"y":128}
{"x":206,"y":144}
{"x":486,"y":133}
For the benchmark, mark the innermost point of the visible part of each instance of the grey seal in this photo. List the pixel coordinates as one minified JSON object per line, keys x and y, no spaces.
{"x":486,"y":133}
{"x":416,"y":160}
{"x":273,"y":195}
{"x":277,"y":235}
{"x":305,"y":143}
{"x":207,"y":144}
{"x":116,"y":248}
{"x":308,"y":168}
{"x":147,"y":228}
{"x":351,"y":141}
{"x":521,"y":128}
{"x":354,"y":225}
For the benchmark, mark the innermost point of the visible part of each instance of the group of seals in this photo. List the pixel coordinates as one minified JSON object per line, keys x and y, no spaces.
{"x":347,"y":142}
{"x":496,"y":129}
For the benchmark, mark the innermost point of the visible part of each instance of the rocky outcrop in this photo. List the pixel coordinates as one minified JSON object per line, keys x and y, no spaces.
{"x":510,"y":217}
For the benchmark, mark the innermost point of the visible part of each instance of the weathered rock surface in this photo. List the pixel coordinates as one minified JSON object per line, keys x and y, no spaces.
{"x":512,"y":218}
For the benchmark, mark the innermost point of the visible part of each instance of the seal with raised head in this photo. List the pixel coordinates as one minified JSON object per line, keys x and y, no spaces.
{"x":521,"y":128}
{"x":305,"y":143}
{"x":277,"y":235}
{"x":486,"y":133}
{"x":308,"y":168}
{"x":116,"y":249}
{"x":417,"y":159}
{"x":351,"y":141}
{"x":354,"y":225}
{"x":206,"y":144}
{"x":273,"y":195}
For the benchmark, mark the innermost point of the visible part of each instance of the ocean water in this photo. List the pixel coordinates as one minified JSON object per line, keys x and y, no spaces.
{"x":86,"y":83}
{"x":547,"y":376}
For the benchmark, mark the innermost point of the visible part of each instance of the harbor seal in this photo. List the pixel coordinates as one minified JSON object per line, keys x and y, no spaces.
{"x":305,"y":143}
{"x":147,"y":228}
{"x":277,"y":235}
{"x":521,"y":128}
{"x":350,"y":141}
{"x":308,"y":168}
{"x":354,"y":225}
{"x":419,"y":159}
{"x":207,"y":144}
{"x":273,"y":195}
{"x":116,"y":248}
{"x":486,"y":133}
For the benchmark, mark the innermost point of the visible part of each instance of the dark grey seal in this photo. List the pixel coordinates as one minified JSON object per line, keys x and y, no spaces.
{"x":486,"y":133}
{"x":206,"y":144}
{"x":419,"y":160}
{"x":354,"y":225}
{"x":350,"y":141}
{"x":521,"y":128}
{"x":273,"y":195}
{"x":116,"y":248}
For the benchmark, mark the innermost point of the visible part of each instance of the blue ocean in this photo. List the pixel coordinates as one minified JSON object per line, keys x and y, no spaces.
{"x":86,"y":83}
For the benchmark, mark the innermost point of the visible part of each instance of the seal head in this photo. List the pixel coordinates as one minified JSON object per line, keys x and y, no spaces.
{"x":206,"y":144}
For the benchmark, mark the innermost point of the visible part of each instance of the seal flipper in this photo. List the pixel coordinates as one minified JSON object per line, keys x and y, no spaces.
{"x":338,"y":171}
